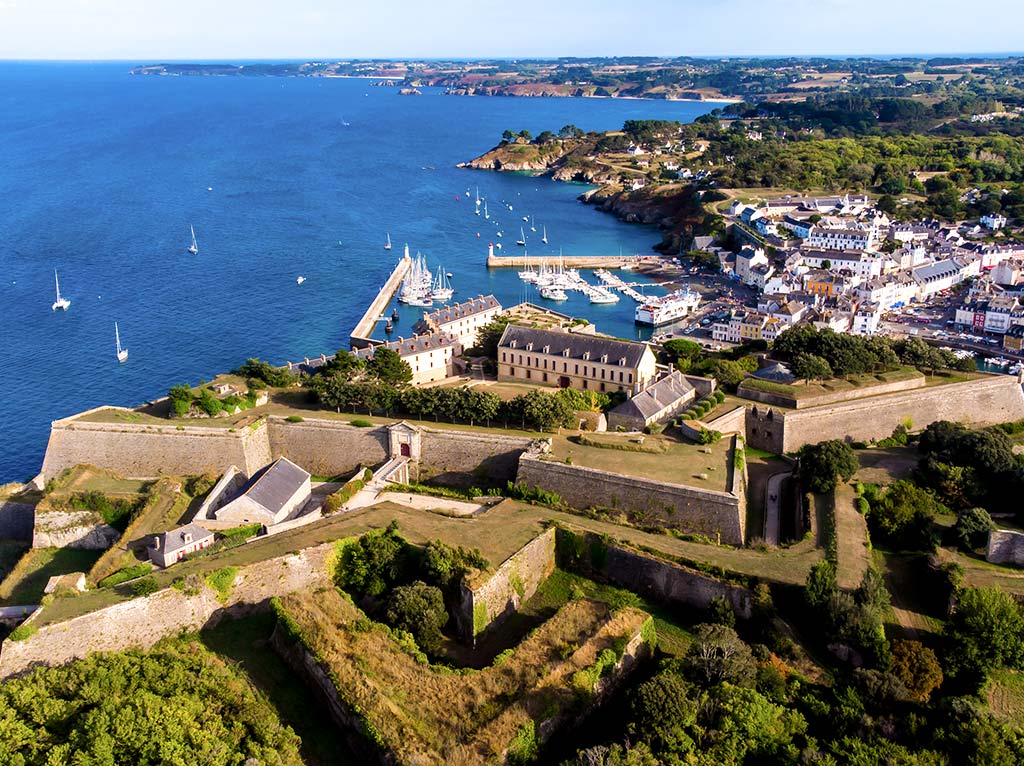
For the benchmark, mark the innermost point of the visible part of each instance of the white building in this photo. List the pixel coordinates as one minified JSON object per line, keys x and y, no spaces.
{"x":840,"y":238}
{"x":746,"y":260}
{"x":270,"y":496}
{"x":864,"y":265}
{"x":866,"y":318}
{"x":993,"y":221}
{"x":462,"y":320}
{"x":430,"y":357}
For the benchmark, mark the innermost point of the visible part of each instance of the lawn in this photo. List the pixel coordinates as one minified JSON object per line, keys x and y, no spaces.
{"x":677,"y":462}
{"x":1005,"y":695}
{"x":245,"y":642}
{"x":11,"y":552}
{"x":25,"y":584}
{"x":806,"y":391}
{"x":853,"y":549}
{"x":917,"y":607}
{"x":885,"y":466}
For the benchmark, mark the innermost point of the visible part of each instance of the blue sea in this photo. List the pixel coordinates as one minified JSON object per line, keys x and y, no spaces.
{"x":102,"y":173}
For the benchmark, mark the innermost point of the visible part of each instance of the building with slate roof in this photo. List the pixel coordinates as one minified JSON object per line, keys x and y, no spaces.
{"x":270,"y":497}
{"x":574,"y":360}
{"x":171,"y":547}
{"x":666,"y":396}
{"x":461,"y":320}
{"x":430,"y":357}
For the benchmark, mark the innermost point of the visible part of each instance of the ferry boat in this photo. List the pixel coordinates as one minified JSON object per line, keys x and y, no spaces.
{"x":660,"y":311}
{"x":61,"y":304}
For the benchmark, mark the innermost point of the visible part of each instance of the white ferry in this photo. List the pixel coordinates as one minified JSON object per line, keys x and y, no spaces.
{"x":660,"y":311}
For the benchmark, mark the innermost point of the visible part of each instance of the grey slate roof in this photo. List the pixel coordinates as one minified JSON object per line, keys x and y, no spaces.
{"x":777,"y":372}
{"x":169,"y":542}
{"x":663,"y":393}
{"x":417,"y":344}
{"x":461,"y":310}
{"x":274,"y":485}
{"x":577,"y":344}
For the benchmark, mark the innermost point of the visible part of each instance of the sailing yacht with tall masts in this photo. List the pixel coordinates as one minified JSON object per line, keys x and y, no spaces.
{"x":441,"y":289}
{"x":544,"y":239}
{"x":522,"y":237}
{"x":387,"y":243}
{"x":61,"y":303}
{"x":122,"y":353}
{"x":194,"y":247}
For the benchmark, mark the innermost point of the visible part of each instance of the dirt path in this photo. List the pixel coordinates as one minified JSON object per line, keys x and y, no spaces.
{"x":852,"y":539}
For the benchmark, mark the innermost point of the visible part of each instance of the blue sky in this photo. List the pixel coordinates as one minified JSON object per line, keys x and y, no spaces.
{"x":147,"y":30}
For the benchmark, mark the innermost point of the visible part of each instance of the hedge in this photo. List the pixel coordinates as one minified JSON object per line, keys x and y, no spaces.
{"x":124,"y":575}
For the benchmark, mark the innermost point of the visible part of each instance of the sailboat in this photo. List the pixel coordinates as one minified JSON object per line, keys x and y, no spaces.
{"x":544,"y":239}
{"x":387,"y":245}
{"x":532,"y":227}
{"x":122,"y":353}
{"x":486,"y":214}
{"x":441,"y":290}
{"x":194,"y":247}
{"x":60,"y":303}
{"x":522,"y":237}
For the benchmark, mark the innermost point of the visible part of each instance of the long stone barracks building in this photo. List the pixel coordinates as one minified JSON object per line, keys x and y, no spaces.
{"x":430,"y":357}
{"x":462,"y":321}
{"x":574,"y":360}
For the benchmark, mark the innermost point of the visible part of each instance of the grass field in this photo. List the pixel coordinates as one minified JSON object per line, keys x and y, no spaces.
{"x":1005,"y":694}
{"x":678,"y":463}
{"x":11,"y":552}
{"x":244,"y":641}
{"x":852,"y":549}
{"x":25,"y":584}
{"x":917,"y":608}
{"x":854,"y":383}
{"x":885,"y":466}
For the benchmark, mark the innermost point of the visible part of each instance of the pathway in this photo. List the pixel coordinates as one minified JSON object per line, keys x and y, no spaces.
{"x":852,"y":547}
{"x":772,"y":503}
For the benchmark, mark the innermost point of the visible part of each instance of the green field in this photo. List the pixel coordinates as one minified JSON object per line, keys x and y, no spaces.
{"x":854,"y":383}
{"x":25,"y":584}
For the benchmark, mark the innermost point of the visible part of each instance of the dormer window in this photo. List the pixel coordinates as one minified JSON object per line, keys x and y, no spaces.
{"x":622,"y":362}
{"x":604,"y":359}
{"x":547,"y":349}
{"x":513,"y":343}
{"x":529,"y":347}
{"x":565,"y":352}
{"x":187,"y":537}
{"x":586,"y":356}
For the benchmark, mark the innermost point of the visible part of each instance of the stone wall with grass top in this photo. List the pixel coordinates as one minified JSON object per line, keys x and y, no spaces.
{"x":328,"y":447}
{"x":141,"y":622}
{"x":718,"y":515}
{"x":487,"y":601}
{"x":470,"y":459}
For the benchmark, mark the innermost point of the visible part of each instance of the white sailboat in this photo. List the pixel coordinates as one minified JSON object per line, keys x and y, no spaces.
{"x":194,"y":247}
{"x":122,"y":353}
{"x":60,"y":303}
{"x":487,"y":215}
{"x":387,"y":244}
{"x":544,"y":239}
{"x":441,"y":290}
{"x":532,"y":227}
{"x":522,"y":237}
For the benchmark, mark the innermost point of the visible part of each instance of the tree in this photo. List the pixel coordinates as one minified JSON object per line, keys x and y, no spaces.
{"x":388,"y":367}
{"x":972,"y":527}
{"x":525,"y":134}
{"x":917,"y":667}
{"x":370,"y":565}
{"x":663,"y":715}
{"x":821,"y":584}
{"x":345,"y":364}
{"x":985,"y":632}
{"x":487,"y":337}
{"x":822,"y":465}
{"x":903,"y":515}
{"x":181,"y":399}
{"x":419,"y":609}
{"x":570,"y":131}
{"x":718,"y":654}
{"x":811,"y":367}
{"x":507,"y":135}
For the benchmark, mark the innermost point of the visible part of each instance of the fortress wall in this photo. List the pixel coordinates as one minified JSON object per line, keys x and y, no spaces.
{"x":1005,"y":547}
{"x":144,"y":451}
{"x":781,"y":400}
{"x":16,"y":521}
{"x":326,"y":447}
{"x":487,"y":604}
{"x":995,"y":399}
{"x":595,"y":557}
{"x":688,"y":509}
{"x":464,"y":458}
{"x":141,"y":622}
{"x":734,"y":421}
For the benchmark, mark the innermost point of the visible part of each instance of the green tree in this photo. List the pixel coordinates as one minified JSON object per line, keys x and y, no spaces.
{"x":985,"y":632}
{"x":487,"y":337}
{"x":181,"y":399}
{"x":903,"y":514}
{"x":570,"y":131}
{"x":388,"y":367}
{"x":811,"y":367}
{"x":663,"y":715}
{"x":822,"y":465}
{"x":917,"y":667}
{"x":718,"y":654}
{"x":370,"y":565}
{"x":419,"y":609}
{"x":972,"y":527}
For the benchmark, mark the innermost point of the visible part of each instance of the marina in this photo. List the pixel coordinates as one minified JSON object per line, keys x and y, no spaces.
{"x":362,"y":335}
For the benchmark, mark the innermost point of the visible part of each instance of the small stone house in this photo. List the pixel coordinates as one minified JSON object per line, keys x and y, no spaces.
{"x":171,"y":547}
{"x":270,"y":497}
{"x":665,"y":397}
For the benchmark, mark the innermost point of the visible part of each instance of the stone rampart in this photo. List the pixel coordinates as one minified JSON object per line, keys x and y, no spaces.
{"x":327,"y":447}
{"x":143,"y":621}
{"x":688,"y":509}
{"x":464,"y":458}
{"x":16,"y":521}
{"x":733,"y":421}
{"x":136,"y":450}
{"x":986,"y":401}
{"x":598,"y":558}
{"x":485,"y":605}
{"x":781,"y":400}
{"x":73,"y":529}
{"x":1005,"y":547}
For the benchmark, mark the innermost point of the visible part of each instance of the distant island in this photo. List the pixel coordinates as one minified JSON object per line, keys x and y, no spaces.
{"x":682,"y":78}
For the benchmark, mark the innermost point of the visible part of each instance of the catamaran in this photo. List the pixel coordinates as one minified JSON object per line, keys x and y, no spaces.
{"x":522,"y":237}
{"x":387,"y":244}
{"x":60,"y":303}
{"x":544,"y":239}
{"x":194,"y":247}
{"x":122,"y":353}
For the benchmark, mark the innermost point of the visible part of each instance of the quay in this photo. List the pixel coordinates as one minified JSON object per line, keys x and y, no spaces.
{"x":361,"y":335}
{"x":568,"y":261}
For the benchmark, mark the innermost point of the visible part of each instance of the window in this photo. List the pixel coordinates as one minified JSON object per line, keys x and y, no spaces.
{"x":602,"y":386}
{"x":545,"y":377}
{"x":630,"y":378}
{"x":620,"y":379}
{"x":584,"y":383}
{"x":503,"y":356}
{"x":577,"y":369}
{"x":527,"y":374}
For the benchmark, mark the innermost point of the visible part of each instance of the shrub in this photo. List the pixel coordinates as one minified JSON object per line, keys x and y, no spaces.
{"x":361,"y":423}
{"x":709,"y":436}
{"x":222,"y":581}
{"x":22,"y":632}
{"x":294,"y":419}
{"x":145,"y":586}
{"x":123,"y":575}
{"x":719,"y":396}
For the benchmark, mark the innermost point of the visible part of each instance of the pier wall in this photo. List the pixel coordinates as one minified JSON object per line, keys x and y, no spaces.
{"x":361,"y":334}
{"x":569,"y":261}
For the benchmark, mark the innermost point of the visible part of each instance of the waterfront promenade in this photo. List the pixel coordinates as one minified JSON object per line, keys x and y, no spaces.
{"x":362,"y":335}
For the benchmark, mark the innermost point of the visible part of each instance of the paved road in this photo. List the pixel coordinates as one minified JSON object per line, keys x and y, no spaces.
{"x":772,"y":502}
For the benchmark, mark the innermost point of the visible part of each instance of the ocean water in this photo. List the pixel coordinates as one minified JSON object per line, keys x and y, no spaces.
{"x":101,"y":174}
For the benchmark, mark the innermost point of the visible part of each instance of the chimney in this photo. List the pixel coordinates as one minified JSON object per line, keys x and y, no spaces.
{"x":156,"y":542}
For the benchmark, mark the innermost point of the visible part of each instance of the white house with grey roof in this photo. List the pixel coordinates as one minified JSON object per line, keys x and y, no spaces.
{"x":462,"y":320}
{"x":430,"y":357}
{"x":574,"y":360}
{"x":666,"y":396}
{"x":270,"y":496}
{"x":171,"y":547}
